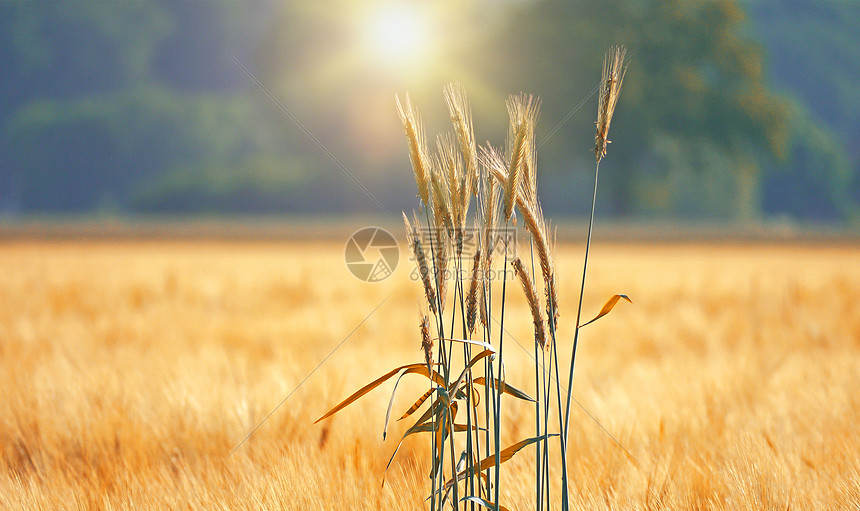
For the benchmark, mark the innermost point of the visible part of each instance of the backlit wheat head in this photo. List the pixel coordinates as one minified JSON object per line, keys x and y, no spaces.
{"x":611,"y":80}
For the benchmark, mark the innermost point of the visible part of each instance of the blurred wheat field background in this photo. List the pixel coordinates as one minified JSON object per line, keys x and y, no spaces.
{"x":131,"y":370}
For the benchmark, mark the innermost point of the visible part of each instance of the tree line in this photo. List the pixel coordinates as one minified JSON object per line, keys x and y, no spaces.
{"x":731,"y":110}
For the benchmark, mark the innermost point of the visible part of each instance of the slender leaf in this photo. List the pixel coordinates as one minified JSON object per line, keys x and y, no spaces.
{"x":428,"y":427}
{"x":417,"y":428}
{"x":416,"y":405}
{"x":422,"y":370}
{"x":482,"y":502}
{"x":485,"y":345}
{"x":607,"y":307}
{"x":437,"y":404}
{"x":475,"y":360}
{"x":419,"y":368}
{"x":412,"y":370}
{"x":476,"y":395}
{"x":506,"y":388}
{"x":505,"y":455}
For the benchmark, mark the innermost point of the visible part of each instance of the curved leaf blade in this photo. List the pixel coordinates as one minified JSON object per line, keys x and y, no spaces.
{"x":506,"y":388}
{"x":367,"y":388}
{"x":482,"y":502}
{"x":415,"y":406}
{"x":423,"y":371}
{"x":475,"y":360}
{"x":485,"y":345}
{"x":412,"y":370}
{"x":504,"y":456}
{"x":607,"y":308}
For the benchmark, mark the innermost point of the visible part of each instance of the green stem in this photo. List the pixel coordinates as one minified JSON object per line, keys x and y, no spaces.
{"x":440,"y":329}
{"x":546,"y":395}
{"x":538,"y":406}
{"x":538,"y":462}
{"x":498,"y":429}
{"x":565,"y":505}
{"x":579,"y":315}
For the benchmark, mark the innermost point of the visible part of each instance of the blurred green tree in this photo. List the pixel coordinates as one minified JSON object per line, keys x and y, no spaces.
{"x":814,"y":53}
{"x":135,"y":106}
{"x":695,"y":99}
{"x":101,"y":114}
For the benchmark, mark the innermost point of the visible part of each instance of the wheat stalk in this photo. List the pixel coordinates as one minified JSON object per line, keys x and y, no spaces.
{"x":532,"y":299}
{"x":491,"y":197}
{"x":461,"y":118}
{"x":472,"y":297}
{"x":414,"y":239}
{"x":417,"y":146}
{"x":441,"y":261}
{"x":522,"y":111}
{"x":441,"y":199}
{"x":450,"y":163}
{"x":426,"y":342}
{"x":535,"y":224}
{"x":612,"y":78}
{"x":529,"y":184}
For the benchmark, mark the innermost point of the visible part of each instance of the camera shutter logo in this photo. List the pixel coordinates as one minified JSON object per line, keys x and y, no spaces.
{"x":371,"y":254}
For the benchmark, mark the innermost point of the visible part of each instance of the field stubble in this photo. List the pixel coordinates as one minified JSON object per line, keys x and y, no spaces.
{"x":130,"y":371}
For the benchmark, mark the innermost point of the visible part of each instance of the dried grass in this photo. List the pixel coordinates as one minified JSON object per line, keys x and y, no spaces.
{"x":129,"y":372}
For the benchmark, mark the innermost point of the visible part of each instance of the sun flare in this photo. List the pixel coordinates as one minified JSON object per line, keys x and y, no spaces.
{"x":398,"y":34}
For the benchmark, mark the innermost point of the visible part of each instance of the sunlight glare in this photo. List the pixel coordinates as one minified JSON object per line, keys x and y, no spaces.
{"x":398,"y":34}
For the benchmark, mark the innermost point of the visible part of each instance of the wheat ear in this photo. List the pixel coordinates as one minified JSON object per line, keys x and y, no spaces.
{"x":612,"y":78}
{"x":535,"y":224}
{"x":426,"y":342}
{"x":461,"y":118}
{"x":417,"y":147}
{"x":450,"y":162}
{"x":414,"y":238}
{"x":537,"y":227}
{"x":516,"y":152}
{"x":441,"y":260}
{"x":441,"y":199}
{"x":472,"y":297}
{"x":532,"y":299}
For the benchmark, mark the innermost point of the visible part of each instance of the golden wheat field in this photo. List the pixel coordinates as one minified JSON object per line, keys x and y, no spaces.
{"x":131,"y":370}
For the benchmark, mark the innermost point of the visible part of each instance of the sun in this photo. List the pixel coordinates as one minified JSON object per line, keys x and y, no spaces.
{"x":398,"y":34}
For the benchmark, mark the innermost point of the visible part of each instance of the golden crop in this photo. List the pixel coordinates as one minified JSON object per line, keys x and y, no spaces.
{"x":129,"y":371}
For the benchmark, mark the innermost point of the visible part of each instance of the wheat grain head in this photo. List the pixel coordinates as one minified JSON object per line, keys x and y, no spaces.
{"x":612,"y":77}
{"x":414,"y":239}
{"x":426,"y":342}
{"x":461,"y":118}
{"x":532,"y":299}
{"x":472,"y":297}
{"x":417,"y":146}
{"x":451,"y":163}
{"x":519,"y":108}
